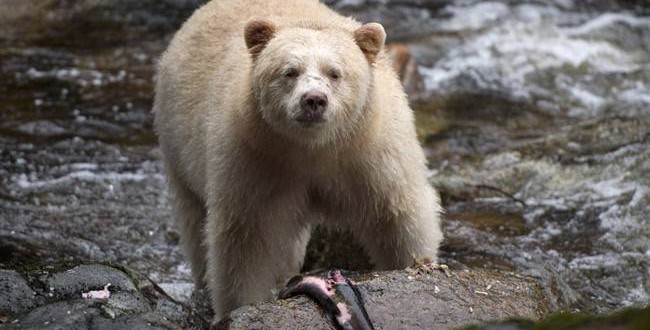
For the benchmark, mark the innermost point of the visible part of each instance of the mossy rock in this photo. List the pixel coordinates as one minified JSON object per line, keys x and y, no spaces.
{"x":628,"y":319}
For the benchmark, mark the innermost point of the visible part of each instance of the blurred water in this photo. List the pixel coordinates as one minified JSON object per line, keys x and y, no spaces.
{"x":573,"y":63}
{"x":535,"y":115}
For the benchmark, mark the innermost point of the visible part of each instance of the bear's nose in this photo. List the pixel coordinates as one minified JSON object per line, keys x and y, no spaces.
{"x":313,"y":105}
{"x":313,"y":102}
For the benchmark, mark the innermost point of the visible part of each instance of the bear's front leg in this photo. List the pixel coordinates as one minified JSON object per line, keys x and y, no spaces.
{"x":406,"y":227}
{"x":251,"y":255}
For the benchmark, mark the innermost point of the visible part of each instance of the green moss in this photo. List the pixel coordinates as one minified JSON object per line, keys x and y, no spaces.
{"x":564,"y":321}
{"x":628,"y":319}
{"x":37,"y":274}
{"x":632,"y":319}
{"x":510,"y":324}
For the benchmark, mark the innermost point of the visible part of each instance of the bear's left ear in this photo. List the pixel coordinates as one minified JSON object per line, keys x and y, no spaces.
{"x":370,"y":38}
{"x":257,"y":34}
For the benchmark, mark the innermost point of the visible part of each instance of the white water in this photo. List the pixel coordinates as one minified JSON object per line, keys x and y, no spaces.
{"x":547,"y":55}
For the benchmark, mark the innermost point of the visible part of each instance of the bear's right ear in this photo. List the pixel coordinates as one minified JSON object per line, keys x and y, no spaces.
{"x":257,"y":34}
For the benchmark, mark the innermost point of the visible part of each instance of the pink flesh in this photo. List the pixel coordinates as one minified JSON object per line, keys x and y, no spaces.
{"x":345,"y":316}
{"x":320,"y":283}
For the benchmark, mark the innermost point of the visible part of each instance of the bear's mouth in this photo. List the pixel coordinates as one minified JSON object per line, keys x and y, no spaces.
{"x":310,"y":119}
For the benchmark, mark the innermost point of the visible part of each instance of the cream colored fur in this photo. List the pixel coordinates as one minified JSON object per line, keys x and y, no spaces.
{"x":249,"y":182}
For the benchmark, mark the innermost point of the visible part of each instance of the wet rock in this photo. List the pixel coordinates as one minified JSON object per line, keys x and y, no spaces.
{"x":83,"y":200}
{"x":105,"y":22}
{"x":88,"y":277}
{"x":17,"y":297}
{"x":298,"y":313}
{"x":580,"y":192}
{"x":60,"y":315}
{"x":411,"y":300}
{"x":57,"y":303}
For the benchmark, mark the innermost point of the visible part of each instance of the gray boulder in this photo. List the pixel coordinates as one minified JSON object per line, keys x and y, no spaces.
{"x":410,"y":299}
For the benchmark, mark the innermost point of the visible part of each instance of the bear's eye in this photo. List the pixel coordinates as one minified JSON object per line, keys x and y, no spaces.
{"x":335,"y":74}
{"x":291,"y":73}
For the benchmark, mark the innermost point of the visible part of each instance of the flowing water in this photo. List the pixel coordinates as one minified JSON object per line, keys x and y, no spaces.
{"x":535,"y":116}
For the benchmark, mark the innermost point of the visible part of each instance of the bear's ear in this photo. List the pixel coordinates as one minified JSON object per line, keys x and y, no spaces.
{"x":257,"y":34}
{"x":370,"y":38}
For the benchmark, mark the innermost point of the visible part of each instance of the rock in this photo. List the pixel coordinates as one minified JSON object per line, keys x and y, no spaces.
{"x":55,"y":300}
{"x":416,"y":298}
{"x":74,"y":314}
{"x":576,"y":200}
{"x":410,"y":300}
{"x":106,"y":21}
{"x":83,"y":278}
{"x":16,"y":296}
{"x":295,"y":313}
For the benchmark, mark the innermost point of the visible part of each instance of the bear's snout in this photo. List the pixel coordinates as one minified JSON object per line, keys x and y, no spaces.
{"x":313,"y":105}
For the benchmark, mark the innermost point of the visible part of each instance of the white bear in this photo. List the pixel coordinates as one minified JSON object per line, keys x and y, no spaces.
{"x":273,"y":116}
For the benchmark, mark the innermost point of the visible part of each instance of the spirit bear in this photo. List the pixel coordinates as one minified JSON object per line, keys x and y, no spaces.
{"x":273,"y":116}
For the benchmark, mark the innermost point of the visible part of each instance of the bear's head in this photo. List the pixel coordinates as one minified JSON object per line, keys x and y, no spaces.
{"x":311,"y":83}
